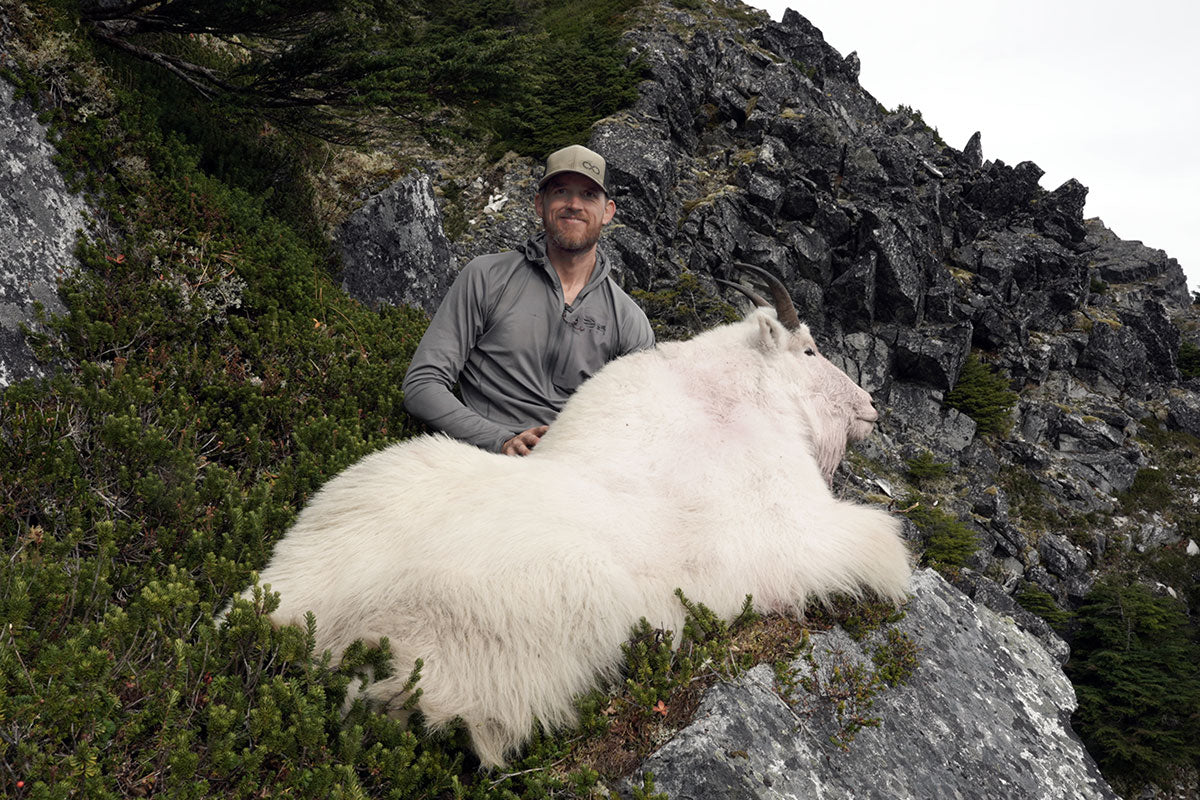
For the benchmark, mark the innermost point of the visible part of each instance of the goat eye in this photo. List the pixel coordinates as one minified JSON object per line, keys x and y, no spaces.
{"x":808,"y":351}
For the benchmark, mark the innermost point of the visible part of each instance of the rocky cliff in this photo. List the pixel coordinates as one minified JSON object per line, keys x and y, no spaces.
{"x":753,"y":141}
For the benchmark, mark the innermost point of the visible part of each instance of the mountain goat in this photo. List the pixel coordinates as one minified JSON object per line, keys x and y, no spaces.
{"x":703,"y":465}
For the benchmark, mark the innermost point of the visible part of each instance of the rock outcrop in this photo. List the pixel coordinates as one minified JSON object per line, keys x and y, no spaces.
{"x":394,"y":249}
{"x":39,"y":221}
{"x":984,"y":716}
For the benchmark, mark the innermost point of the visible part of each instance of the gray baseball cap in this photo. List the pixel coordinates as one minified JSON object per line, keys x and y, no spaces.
{"x":575,"y":158}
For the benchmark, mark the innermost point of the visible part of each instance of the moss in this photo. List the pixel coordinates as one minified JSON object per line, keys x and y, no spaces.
{"x":751,"y":104}
{"x":962,"y":277}
{"x":750,"y":155}
{"x":1088,"y":318}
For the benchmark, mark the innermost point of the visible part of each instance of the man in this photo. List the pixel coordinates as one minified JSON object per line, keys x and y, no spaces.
{"x":520,"y":331}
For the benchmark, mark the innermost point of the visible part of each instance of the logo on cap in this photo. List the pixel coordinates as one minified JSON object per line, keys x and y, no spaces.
{"x":574,"y":158}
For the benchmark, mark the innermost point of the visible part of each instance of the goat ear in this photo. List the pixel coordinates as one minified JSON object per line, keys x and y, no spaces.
{"x":771,"y":335}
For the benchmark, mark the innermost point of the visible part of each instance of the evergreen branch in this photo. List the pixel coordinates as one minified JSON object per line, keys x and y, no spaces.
{"x":187,"y":72}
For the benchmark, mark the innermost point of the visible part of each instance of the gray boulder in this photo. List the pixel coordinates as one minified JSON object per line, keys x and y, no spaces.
{"x":1184,"y":413}
{"x":39,"y":224}
{"x":983,"y":716}
{"x":394,"y":249}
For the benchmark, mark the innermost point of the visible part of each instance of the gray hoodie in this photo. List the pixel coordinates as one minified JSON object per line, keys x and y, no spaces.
{"x":517,"y":351}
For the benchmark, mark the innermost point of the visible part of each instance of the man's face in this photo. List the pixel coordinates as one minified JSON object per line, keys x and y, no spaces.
{"x":574,"y":209}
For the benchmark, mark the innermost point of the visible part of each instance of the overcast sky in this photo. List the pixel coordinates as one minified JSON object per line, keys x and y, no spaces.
{"x":1102,"y":91}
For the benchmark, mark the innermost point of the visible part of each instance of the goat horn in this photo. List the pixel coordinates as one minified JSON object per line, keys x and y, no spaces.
{"x":784,"y":307}
{"x":754,"y":296}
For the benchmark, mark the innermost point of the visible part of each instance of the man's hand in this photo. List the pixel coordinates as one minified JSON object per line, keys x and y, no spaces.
{"x":523,"y":442}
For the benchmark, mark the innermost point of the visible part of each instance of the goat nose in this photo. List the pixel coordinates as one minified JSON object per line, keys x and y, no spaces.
{"x":869,"y":414}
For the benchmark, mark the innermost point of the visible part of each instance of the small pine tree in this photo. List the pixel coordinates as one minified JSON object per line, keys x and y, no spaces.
{"x":923,"y":467}
{"x":1038,"y":601}
{"x":983,"y":395}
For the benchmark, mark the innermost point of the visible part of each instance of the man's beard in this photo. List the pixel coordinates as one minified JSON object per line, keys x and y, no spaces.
{"x":577,"y":242}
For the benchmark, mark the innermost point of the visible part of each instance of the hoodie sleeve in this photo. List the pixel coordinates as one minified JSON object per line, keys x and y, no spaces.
{"x":435,"y":367}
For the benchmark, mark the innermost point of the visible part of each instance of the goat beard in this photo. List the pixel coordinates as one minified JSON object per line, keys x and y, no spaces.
{"x":831,"y":434}
{"x":829,"y":452}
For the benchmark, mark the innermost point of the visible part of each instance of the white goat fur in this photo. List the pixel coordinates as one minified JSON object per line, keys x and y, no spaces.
{"x":702,"y":465}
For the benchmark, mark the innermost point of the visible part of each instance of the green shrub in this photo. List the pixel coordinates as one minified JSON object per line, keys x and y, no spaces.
{"x":1151,"y":491}
{"x":948,"y":542}
{"x":845,"y":687}
{"x":684,"y":309}
{"x":896,"y":658}
{"x":983,"y":395}
{"x":1134,"y":668}
{"x":1038,"y":601}
{"x":578,"y":71}
{"x":528,"y":75}
{"x":1189,"y":360}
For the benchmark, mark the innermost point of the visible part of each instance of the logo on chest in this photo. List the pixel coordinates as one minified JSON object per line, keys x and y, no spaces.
{"x":583,"y":324}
